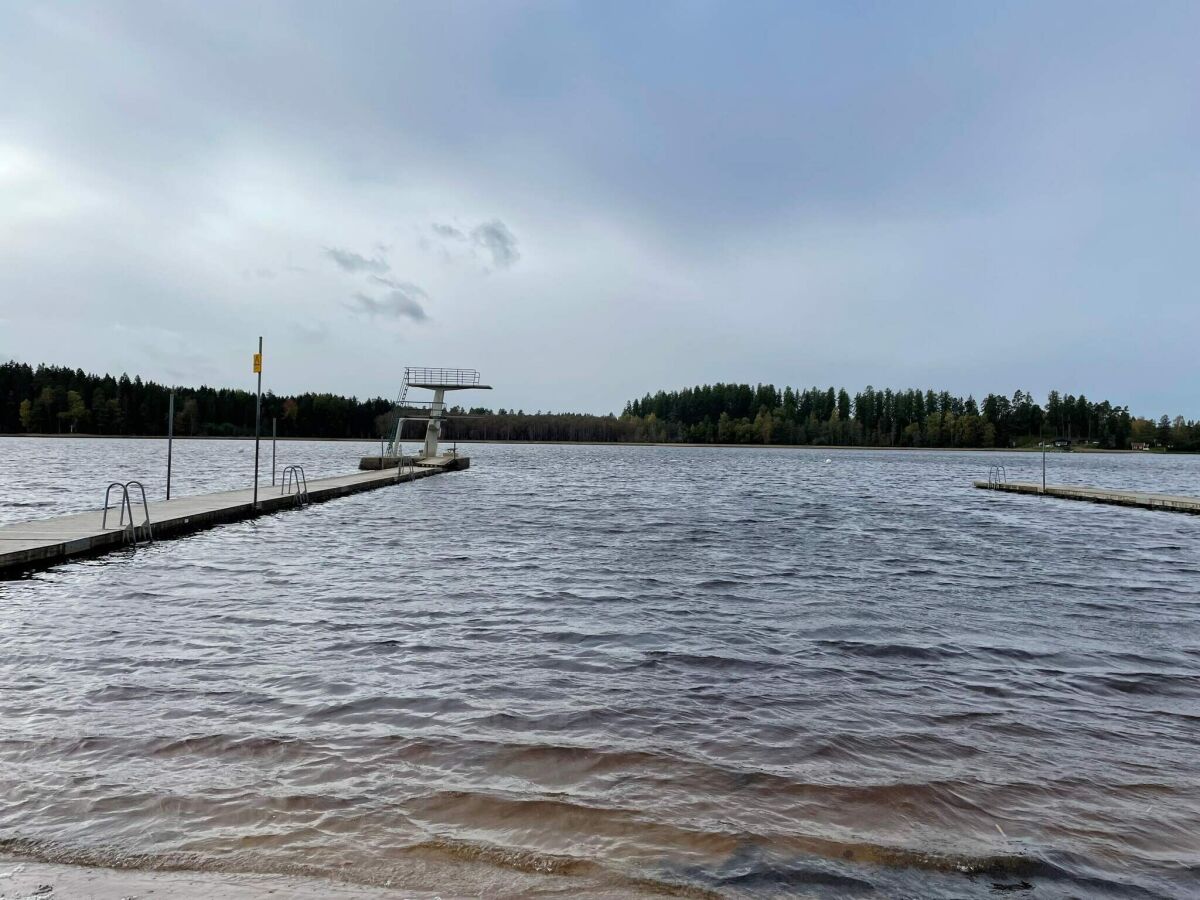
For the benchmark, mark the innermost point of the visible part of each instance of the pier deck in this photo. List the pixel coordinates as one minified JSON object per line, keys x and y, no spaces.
{"x":1144,"y":500}
{"x":27,"y":545}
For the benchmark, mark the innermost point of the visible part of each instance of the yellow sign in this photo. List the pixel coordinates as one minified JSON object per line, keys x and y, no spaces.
{"x":258,"y":362}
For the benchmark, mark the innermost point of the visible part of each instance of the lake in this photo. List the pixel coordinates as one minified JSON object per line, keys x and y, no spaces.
{"x":618,"y":670}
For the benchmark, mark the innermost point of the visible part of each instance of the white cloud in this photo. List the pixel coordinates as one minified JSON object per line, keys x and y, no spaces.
{"x":500,"y":243}
{"x":349,"y":261}
{"x":403,"y":302}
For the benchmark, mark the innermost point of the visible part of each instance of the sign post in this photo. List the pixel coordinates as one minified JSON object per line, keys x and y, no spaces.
{"x":274,"y":423}
{"x":257,"y":417}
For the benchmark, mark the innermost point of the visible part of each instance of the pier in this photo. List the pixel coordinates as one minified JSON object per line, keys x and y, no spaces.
{"x":1140,"y":499}
{"x":133,"y":521}
{"x":28,"y":545}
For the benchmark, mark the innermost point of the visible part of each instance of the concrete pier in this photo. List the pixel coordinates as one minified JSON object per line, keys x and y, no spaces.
{"x":377,"y":462}
{"x":28,"y":545}
{"x":1143,"y":500}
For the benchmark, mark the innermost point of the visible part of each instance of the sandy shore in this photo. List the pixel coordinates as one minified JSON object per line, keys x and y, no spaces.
{"x":44,"y":881}
{"x":22,"y":879}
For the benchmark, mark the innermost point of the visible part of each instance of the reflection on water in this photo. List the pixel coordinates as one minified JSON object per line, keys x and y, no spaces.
{"x":732,"y":672}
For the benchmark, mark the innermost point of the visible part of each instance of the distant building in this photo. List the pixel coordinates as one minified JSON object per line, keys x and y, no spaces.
{"x":1140,"y":445}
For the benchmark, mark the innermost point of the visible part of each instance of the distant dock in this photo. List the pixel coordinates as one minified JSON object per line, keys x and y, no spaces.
{"x":29,"y":545}
{"x":1140,"y":499}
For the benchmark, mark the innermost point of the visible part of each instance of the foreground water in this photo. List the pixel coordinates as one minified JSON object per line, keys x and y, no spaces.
{"x":745,"y":672}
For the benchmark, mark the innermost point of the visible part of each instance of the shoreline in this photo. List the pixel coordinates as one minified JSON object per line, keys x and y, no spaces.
{"x":21,"y":879}
{"x":815,"y":447}
{"x":431,"y":878}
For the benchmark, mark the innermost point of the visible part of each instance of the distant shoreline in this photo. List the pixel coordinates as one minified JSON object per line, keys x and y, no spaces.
{"x":814,"y":447}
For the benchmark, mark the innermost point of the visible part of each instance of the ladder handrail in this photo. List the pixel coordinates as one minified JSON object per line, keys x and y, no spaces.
{"x":294,"y":481}
{"x":125,"y":505}
{"x":145,"y":512}
{"x":122,"y":504}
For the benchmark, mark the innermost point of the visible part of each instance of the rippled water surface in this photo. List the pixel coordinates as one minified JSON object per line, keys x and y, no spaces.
{"x":634,"y":670}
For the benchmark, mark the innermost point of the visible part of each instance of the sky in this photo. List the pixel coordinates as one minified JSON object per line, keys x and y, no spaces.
{"x":591,"y":201}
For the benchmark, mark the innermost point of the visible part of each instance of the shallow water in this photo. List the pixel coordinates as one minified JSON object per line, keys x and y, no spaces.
{"x":746,"y":672}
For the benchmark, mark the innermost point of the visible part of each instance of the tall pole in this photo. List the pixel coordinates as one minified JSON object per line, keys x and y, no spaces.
{"x":170,"y":439}
{"x":1043,"y":456}
{"x":274,"y":422}
{"x":257,"y":417}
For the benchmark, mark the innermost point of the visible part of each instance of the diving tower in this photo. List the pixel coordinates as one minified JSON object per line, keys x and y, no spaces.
{"x":433,"y":412}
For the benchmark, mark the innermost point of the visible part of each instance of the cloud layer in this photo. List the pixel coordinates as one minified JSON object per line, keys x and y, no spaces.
{"x":961,"y":196}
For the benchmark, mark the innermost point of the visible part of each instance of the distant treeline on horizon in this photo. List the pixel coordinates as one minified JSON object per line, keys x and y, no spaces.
{"x":60,"y":400}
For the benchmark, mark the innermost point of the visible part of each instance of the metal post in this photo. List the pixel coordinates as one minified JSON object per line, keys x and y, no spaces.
{"x":257,"y":420}
{"x":274,"y":421}
{"x":170,"y":439}
{"x":1043,"y":457}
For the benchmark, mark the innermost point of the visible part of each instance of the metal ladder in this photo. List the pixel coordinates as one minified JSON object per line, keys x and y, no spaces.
{"x":124,"y":505}
{"x":403,"y":468}
{"x":997,"y":475}
{"x":295,"y":482}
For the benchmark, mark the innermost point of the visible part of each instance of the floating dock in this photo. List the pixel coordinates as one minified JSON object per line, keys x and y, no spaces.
{"x":1143,"y":500}
{"x":28,"y":545}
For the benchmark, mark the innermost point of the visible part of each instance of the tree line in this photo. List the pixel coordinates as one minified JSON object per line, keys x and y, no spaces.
{"x":61,"y":400}
{"x":764,"y":414}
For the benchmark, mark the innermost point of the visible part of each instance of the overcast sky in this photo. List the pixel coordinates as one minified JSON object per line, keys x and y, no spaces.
{"x":591,"y":201}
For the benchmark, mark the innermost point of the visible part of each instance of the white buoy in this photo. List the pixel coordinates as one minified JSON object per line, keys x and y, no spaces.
{"x":829,"y":460}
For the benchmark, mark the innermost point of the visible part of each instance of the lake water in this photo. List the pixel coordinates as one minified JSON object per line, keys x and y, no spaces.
{"x":618,"y":670}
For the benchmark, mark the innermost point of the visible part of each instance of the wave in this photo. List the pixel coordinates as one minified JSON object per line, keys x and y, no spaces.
{"x":712,"y":661}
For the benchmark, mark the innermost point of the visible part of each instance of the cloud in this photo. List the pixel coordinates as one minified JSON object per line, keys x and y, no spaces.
{"x":496,"y":239}
{"x":349,"y":261}
{"x":396,"y":285}
{"x":402,"y":302}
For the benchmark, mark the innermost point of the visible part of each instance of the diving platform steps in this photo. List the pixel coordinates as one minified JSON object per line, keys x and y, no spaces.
{"x":1140,"y":499}
{"x":46,"y":542}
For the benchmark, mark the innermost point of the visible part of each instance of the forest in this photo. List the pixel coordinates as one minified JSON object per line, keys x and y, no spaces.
{"x":739,"y":413}
{"x":61,"y":400}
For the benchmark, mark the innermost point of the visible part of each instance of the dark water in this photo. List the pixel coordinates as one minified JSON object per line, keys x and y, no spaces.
{"x":578,"y":669}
